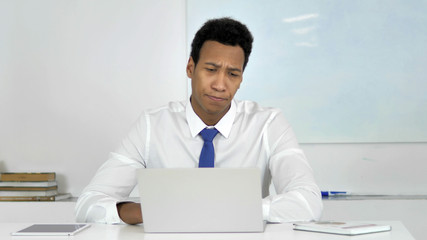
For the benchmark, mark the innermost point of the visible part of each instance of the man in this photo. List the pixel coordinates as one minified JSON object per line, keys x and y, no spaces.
{"x":249,"y":136}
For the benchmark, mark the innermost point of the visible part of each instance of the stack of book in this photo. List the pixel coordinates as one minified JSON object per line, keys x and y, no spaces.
{"x":15,"y":186}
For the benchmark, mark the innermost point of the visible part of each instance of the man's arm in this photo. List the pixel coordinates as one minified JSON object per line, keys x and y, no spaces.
{"x":114,"y":181}
{"x":130,"y":212}
{"x":111,"y":185}
{"x":298,"y":196}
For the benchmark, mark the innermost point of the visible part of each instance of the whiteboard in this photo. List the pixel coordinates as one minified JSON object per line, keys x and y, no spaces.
{"x":341,"y":71}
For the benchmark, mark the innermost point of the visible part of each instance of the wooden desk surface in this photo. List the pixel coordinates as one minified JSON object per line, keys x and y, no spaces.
{"x":272,"y":232}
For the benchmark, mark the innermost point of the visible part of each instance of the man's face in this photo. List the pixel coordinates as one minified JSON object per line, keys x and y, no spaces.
{"x":215,"y":80}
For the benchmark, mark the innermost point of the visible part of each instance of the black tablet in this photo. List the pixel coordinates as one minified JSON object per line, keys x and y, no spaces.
{"x":51,"y":230}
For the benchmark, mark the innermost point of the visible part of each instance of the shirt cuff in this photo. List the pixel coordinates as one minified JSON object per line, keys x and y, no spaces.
{"x":266,"y":208}
{"x":105,"y":211}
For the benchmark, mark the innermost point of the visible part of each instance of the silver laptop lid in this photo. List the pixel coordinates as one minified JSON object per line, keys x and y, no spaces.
{"x":201,"y":200}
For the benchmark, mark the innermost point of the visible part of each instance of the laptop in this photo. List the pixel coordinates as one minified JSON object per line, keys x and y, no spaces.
{"x":201,"y":200}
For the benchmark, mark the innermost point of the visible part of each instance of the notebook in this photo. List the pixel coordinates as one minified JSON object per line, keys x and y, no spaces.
{"x":201,"y":200}
{"x":343,"y":228}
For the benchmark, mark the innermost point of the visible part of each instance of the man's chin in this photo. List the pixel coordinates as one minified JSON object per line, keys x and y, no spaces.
{"x":218,"y":110}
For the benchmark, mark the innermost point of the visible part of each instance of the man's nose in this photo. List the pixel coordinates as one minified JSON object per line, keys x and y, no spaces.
{"x":219,"y":84}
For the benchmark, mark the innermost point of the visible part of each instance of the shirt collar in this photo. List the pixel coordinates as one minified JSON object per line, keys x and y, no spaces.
{"x":223,"y":126}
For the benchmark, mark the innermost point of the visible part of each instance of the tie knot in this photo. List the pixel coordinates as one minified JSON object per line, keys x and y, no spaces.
{"x":208,"y":134}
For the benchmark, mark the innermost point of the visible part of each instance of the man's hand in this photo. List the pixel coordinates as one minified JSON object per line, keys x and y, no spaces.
{"x":130,"y":212}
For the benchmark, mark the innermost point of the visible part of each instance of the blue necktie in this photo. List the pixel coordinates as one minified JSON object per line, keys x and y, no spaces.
{"x":207,"y":156}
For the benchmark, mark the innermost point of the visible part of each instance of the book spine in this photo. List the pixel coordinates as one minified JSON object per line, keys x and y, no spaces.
{"x":28,"y":188}
{"x":28,"y":193}
{"x":27,"y":177}
{"x":28,"y":184}
{"x":23,"y":199}
{"x":34,"y":198}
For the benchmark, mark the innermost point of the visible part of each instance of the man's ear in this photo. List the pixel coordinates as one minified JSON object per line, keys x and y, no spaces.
{"x":190,"y":67}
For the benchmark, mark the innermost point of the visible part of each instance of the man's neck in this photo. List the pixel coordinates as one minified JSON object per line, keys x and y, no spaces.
{"x":210,"y":119}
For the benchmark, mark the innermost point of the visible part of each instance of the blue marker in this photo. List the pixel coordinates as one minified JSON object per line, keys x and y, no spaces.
{"x":333,"y":193}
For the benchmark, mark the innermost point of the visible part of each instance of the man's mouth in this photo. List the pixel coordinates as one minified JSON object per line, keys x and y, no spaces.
{"x":217,"y":99}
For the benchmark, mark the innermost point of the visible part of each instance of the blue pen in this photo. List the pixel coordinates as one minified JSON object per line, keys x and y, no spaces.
{"x":333,"y":193}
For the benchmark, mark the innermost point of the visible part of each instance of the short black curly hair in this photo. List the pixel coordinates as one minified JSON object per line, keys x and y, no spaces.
{"x":226,"y":31}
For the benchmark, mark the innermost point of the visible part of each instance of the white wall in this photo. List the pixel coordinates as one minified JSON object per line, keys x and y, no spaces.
{"x":74,"y":76}
{"x":375,"y":168}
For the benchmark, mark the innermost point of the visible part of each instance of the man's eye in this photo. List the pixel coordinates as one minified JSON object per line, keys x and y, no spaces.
{"x":210,"y":69}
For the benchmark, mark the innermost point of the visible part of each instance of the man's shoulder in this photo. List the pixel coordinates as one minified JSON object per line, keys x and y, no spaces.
{"x":250,"y":111}
{"x":171,"y":107}
{"x":251,"y":107}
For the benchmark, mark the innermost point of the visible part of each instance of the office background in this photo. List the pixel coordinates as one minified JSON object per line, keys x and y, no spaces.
{"x":75,"y":75}
{"x":351,"y":71}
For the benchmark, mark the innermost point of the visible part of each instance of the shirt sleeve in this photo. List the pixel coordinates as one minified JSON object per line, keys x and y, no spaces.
{"x":298,"y":197}
{"x":113,"y":182}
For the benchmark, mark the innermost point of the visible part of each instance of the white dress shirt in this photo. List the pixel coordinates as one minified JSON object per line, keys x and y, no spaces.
{"x":249,"y":136}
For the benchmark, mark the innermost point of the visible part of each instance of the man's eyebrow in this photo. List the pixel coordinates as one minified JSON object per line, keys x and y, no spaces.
{"x":213,"y":64}
{"x":234,"y":69}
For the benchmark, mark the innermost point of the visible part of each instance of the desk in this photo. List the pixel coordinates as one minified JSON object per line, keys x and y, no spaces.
{"x":272,"y":232}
